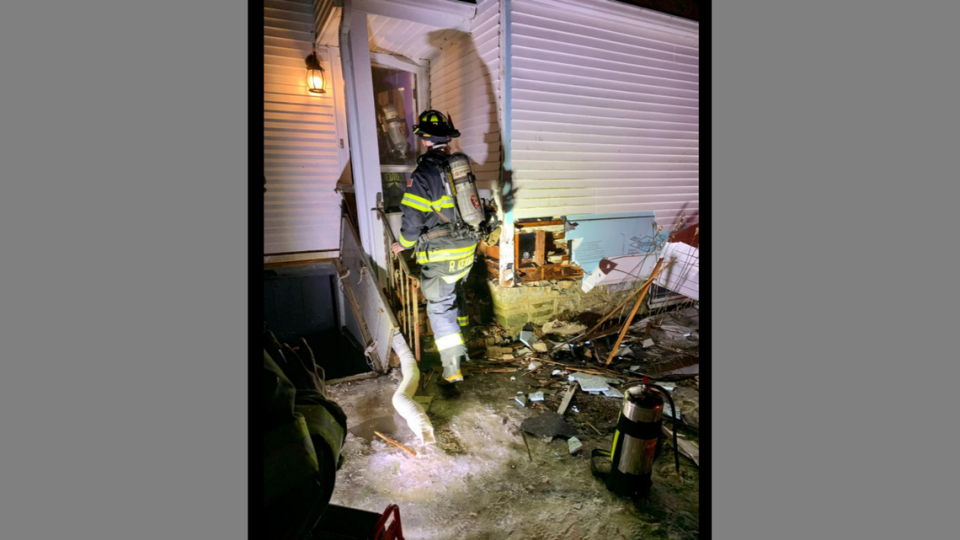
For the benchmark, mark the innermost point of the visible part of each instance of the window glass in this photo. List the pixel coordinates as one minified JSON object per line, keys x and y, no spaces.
{"x":394,"y":97}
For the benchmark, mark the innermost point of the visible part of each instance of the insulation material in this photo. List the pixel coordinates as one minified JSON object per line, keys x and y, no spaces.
{"x":594,"y":237}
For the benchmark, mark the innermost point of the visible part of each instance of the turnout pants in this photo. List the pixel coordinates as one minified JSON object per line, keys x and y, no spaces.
{"x":441,"y":282}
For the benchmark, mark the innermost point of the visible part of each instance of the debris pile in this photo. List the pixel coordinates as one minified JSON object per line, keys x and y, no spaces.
{"x":562,"y":370}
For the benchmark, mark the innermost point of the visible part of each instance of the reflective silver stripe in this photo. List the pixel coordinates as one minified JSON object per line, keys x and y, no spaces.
{"x":446,"y":342}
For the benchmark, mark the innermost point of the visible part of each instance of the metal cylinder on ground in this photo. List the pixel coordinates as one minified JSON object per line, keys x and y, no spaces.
{"x":635,"y":442}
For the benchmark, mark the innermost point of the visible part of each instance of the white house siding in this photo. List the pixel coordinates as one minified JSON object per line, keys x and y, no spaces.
{"x":302,"y":156}
{"x":465,"y":82}
{"x":604,"y":111}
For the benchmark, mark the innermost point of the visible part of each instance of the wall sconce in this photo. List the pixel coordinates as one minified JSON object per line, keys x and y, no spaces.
{"x":315,"y":80}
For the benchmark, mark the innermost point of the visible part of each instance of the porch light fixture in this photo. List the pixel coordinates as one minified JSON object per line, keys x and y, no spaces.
{"x":315,"y":80}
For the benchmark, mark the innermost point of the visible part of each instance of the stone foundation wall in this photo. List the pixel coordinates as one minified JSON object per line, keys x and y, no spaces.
{"x":513,"y":307}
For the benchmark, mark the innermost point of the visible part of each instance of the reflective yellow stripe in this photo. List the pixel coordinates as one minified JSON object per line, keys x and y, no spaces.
{"x":406,"y":243}
{"x":446,"y":342}
{"x":412,"y":204}
{"x":416,"y":198}
{"x":429,"y":258}
{"x":414,"y":201}
{"x":453,"y":254}
{"x":463,"y":321}
{"x":424,"y":205}
{"x":453,"y":279}
{"x":454,"y":378}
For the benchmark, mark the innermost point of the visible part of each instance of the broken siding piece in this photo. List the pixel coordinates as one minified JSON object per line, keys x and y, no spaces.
{"x":684,"y":277}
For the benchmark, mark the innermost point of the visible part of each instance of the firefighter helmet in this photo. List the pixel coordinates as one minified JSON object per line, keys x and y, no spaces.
{"x":433,"y":125}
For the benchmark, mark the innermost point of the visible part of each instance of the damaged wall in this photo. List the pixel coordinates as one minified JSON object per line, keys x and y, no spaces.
{"x":539,"y":303}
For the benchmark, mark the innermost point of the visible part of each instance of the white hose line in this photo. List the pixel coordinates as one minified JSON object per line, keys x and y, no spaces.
{"x":403,"y":402}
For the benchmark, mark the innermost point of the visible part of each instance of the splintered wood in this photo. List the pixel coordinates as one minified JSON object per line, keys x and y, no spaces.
{"x":395,"y":443}
{"x":566,"y":400}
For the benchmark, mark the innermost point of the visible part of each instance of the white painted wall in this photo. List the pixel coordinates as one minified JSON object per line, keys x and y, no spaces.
{"x":465,"y":82}
{"x":302,"y":135}
{"x":604,"y":110}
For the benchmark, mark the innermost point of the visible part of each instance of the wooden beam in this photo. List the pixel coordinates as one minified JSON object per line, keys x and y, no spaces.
{"x":540,"y":249}
{"x":566,"y":399}
{"x":352,"y":378}
{"x":395,"y":443}
{"x":436,"y":13}
{"x":549,"y":272}
{"x":633,"y":313}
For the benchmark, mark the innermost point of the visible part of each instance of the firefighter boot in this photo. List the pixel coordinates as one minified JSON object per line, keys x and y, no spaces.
{"x":451,"y":363}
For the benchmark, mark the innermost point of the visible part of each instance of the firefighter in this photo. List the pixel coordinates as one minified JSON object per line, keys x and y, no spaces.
{"x":304,"y":434}
{"x":444,"y":251}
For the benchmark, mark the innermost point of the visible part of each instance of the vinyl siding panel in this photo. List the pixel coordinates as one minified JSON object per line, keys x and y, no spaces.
{"x":465,"y":82}
{"x":301,"y":146}
{"x":604,"y":116}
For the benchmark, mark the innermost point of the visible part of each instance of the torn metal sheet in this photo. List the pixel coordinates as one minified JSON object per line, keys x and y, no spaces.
{"x":613,"y":393}
{"x":590,"y":383}
{"x":527,"y":337}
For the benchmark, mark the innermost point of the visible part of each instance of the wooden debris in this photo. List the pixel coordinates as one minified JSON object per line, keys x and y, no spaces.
{"x":494,"y":371}
{"x":352,"y":378}
{"x":566,"y":399}
{"x":604,"y":319}
{"x":593,"y":428}
{"x":395,"y":443}
{"x":605,"y":373}
{"x":633,"y":313}
{"x":529,"y":455}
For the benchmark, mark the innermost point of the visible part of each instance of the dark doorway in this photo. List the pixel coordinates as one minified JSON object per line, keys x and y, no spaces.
{"x":306,"y":302}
